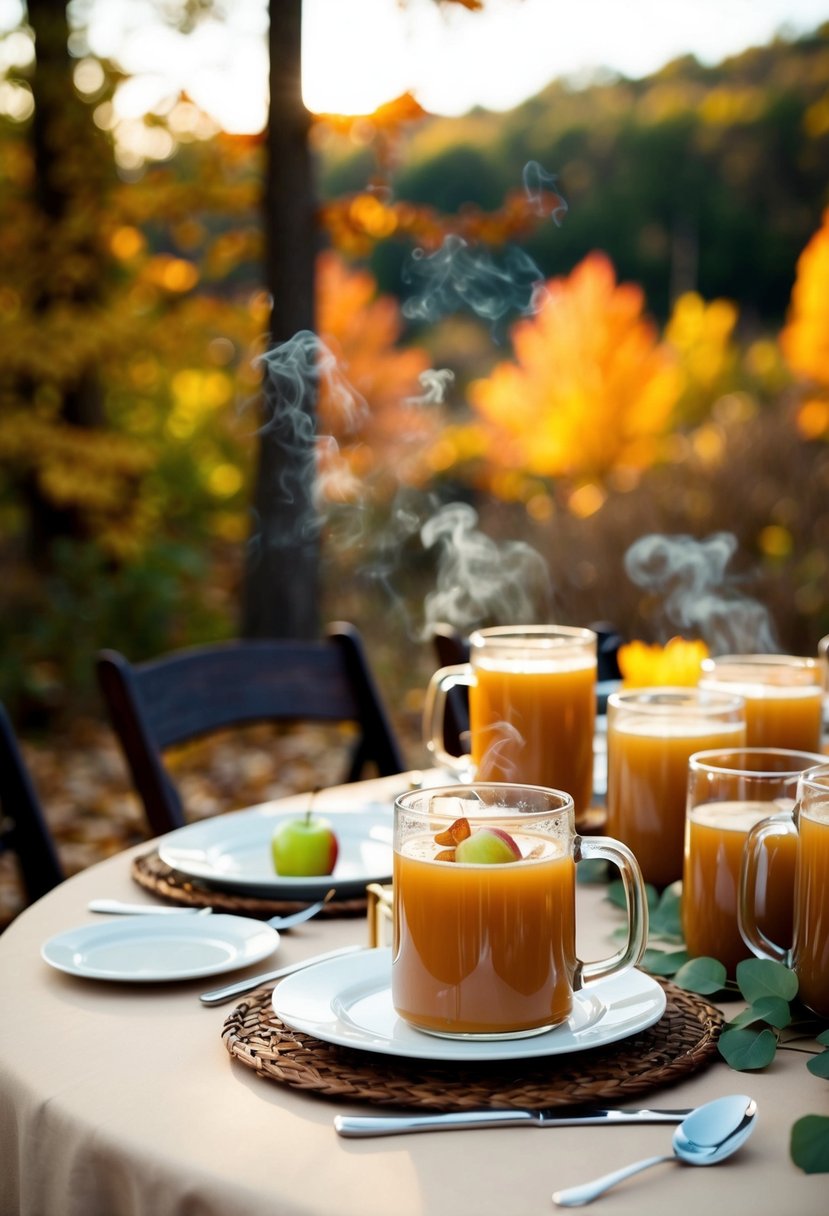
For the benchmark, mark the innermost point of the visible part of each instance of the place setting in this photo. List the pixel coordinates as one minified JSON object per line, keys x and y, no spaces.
{"x":228,"y":863}
{"x":230,"y":866}
{"x":478,"y":1008}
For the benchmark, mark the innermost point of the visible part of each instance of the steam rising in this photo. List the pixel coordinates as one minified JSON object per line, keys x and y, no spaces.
{"x":435,"y":386}
{"x":313,"y":472}
{"x":479,"y":580}
{"x":543,"y":197}
{"x":698,"y":594}
{"x":459,"y":276}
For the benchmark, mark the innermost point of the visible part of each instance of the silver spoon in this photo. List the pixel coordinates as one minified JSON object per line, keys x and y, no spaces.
{"x":709,"y":1134}
{"x":118,"y":907}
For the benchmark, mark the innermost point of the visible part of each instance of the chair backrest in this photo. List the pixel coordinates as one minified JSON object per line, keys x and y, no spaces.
{"x":23,"y":829}
{"x":452,"y":650}
{"x":191,"y":693}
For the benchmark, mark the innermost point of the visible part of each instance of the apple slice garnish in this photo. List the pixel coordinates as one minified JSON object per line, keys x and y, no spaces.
{"x":455,"y":833}
{"x":488,"y":846}
{"x":484,"y":846}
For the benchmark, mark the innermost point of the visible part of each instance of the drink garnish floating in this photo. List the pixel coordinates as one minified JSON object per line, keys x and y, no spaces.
{"x":484,"y":846}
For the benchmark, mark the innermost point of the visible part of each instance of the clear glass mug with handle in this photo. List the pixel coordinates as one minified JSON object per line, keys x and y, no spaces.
{"x":729,"y":792}
{"x":532,"y":708}
{"x":484,"y":909}
{"x":808,"y":822}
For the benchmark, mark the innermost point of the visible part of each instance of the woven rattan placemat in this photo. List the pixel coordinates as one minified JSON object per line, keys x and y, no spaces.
{"x":150,"y":872}
{"x":682,"y":1041}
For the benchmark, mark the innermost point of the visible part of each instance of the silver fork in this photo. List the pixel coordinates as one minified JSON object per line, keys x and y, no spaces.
{"x":119,"y":908}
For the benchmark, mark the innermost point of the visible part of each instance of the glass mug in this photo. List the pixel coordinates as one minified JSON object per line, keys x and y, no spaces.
{"x":728,"y":793}
{"x":823,"y":659}
{"x":487,"y":950}
{"x":651,"y":733}
{"x":532,"y":708}
{"x":806,"y":825}
{"x":783,"y":695}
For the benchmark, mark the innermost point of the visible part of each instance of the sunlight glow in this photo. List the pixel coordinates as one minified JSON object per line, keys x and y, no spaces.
{"x":344,"y":71}
{"x":360,"y":54}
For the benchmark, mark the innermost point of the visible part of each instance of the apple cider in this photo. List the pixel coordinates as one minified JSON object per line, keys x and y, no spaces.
{"x":484,"y":949}
{"x":810,"y":955}
{"x":647,"y":783}
{"x":715,"y":838}
{"x":783,"y":697}
{"x":532,"y":720}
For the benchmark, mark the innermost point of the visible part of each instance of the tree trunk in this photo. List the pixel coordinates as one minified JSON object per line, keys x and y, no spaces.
{"x":69,"y":179}
{"x":281,"y":587}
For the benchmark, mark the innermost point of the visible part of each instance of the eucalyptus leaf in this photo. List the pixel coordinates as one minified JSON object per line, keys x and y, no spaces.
{"x":663,"y":962}
{"x":616,"y":895}
{"x":757,"y":977}
{"x":823,"y":1038}
{"x":809,"y":1145}
{"x":746,"y":1049}
{"x":771,"y":1009}
{"x":666,"y":918}
{"x":591,"y":870}
{"x":818,"y":1066}
{"x":703,"y":975}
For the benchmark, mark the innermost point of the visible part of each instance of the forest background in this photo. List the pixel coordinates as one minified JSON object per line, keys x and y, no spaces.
{"x":544,"y":336}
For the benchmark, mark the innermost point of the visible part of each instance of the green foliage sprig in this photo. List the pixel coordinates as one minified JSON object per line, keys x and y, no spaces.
{"x":773,"y":1016}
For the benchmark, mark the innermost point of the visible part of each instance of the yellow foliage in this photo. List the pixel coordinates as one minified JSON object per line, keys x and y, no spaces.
{"x":127,"y":242}
{"x":805,"y":337}
{"x":813,"y":419}
{"x":591,"y":387}
{"x":702,"y":337}
{"x":172,"y":274}
{"x":775,"y":541}
{"x":92,"y":471}
{"x":701,"y":333}
{"x":678,"y":663}
{"x":727,"y":106}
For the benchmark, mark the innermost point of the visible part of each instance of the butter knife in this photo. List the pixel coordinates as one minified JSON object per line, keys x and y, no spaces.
{"x":219,"y":995}
{"x":394,"y":1125}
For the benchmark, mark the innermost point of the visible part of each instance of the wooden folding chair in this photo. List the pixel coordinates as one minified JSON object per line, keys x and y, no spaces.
{"x":192,"y":693}
{"x":23,"y":829}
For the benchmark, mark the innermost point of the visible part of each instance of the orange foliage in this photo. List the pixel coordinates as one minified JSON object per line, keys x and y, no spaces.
{"x":591,"y":387}
{"x":355,"y":222}
{"x":383,"y":423}
{"x":805,"y":337}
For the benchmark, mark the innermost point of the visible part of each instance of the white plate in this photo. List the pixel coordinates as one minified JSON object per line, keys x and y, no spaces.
{"x":233,"y":852}
{"x":348,"y":1002}
{"x":149,"y":949}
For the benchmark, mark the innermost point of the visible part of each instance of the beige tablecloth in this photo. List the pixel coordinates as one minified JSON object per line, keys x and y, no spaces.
{"x":121,"y":1100}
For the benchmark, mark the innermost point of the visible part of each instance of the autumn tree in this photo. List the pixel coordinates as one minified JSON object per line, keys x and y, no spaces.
{"x":72,"y":476}
{"x":590,"y":389}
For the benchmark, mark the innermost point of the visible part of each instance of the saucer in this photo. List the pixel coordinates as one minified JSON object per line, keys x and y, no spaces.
{"x":347,"y":1002}
{"x":153,"y":949}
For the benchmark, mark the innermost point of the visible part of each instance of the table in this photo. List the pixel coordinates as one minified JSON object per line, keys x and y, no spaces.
{"x":121,"y":1100}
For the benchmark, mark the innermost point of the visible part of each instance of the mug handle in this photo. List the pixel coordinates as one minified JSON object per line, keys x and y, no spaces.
{"x":604,"y":848}
{"x":434,"y":712}
{"x":781,"y":824}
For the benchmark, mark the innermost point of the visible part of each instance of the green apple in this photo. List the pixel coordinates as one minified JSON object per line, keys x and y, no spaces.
{"x":304,"y":847}
{"x":487,"y":846}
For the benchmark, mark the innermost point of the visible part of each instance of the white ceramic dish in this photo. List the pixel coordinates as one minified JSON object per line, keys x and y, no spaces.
{"x":233,"y":852}
{"x":348,"y":1002}
{"x":153,"y":949}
